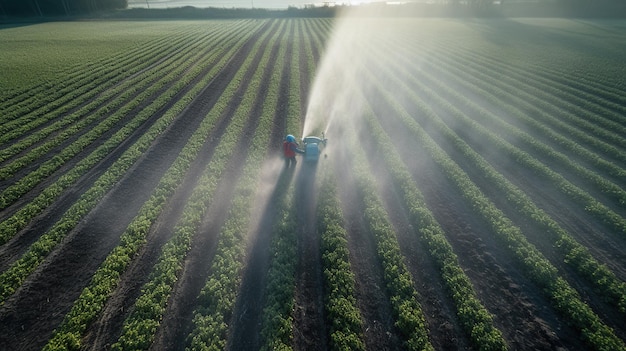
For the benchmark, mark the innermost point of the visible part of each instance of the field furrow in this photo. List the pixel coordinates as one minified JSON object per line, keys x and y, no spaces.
{"x":523,"y":203}
{"x":75,"y":91}
{"x":470,"y":157}
{"x":113,"y":147}
{"x":529,"y":113}
{"x":590,"y":325}
{"x":141,"y":324}
{"x":246,"y":322}
{"x":115,"y":173}
{"x":48,"y":138}
{"x":154,"y":221}
{"x":575,"y":113}
{"x":468,"y":193}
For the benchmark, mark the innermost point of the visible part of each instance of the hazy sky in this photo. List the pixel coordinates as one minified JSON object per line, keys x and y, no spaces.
{"x":222,"y":3}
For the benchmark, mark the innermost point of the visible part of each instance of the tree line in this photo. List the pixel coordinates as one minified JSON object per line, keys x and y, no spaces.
{"x":42,"y":8}
{"x":421,"y":8}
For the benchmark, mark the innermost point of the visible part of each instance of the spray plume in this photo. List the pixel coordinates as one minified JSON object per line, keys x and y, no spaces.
{"x":336,"y":98}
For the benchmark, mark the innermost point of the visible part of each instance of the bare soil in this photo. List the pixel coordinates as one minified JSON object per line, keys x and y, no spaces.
{"x":517,"y":304}
{"x":520,"y":309}
{"x":61,"y":278}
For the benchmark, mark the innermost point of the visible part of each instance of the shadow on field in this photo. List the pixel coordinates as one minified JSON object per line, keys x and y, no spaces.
{"x":309,"y":322}
{"x":309,"y":318}
{"x":305,"y":198}
{"x":248,"y":309}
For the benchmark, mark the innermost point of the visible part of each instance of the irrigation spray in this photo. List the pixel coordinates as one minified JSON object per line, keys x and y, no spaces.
{"x":336,"y":100}
{"x":331,"y":95}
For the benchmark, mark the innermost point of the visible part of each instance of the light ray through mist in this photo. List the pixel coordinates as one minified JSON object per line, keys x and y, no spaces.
{"x":333,"y":89}
{"x":270,"y":173}
{"x":336,"y":99}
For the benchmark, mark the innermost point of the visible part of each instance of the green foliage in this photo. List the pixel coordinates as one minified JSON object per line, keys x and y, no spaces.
{"x":607,"y":284}
{"x":12,"y":277}
{"x":218,"y":296}
{"x":49,"y":56}
{"x":541,"y":125}
{"x":536,"y":265}
{"x":277,"y":322}
{"x":13,"y":224}
{"x":564,"y":129}
{"x":410,"y":319}
{"x":93,"y":298}
{"x":342,"y":313}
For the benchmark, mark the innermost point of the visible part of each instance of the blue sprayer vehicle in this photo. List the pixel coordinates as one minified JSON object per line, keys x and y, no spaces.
{"x":312,"y":147}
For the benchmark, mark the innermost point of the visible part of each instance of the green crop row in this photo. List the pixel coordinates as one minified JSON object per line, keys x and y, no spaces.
{"x":19,"y":270}
{"x":294,"y":103}
{"x":597,"y":119}
{"x":322,"y":32}
{"x":109,"y":100}
{"x":574,"y":254}
{"x":313,"y":31}
{"x":73,"y":73}
{"x":67,"y":95}
{"x":579,"y":196}
{"x":73,"y":121}
{"x":141,"y":325}
{"x":277,"y":323}
{"x":475,"y":319}
{"x":218,"y":296}
{"x":308,"y":49}
{"x":75,"y":76}
{"x":294,"y":120}
{"x":407,"y":311}
{"x":26,"y":183}
{"x":22,"y":124}
{"x":74,"y":97}
{"x":17,"y":221}
{"x":540,"y":270}
{"x":590,"y":204}
{"x":93,"y":298}
{"x":496,"y":90}
{"x":475,"y":74}
{"x":587,"y":85}
{"x":342,"y":313}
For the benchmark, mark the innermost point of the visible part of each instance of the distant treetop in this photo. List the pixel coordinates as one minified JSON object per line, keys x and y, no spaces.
{"x":46,"y":8}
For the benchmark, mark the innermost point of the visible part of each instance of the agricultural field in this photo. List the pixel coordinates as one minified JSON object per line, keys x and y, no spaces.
{"x":471,"y":195}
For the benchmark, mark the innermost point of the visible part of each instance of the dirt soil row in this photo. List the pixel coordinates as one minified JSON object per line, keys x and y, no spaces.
{"x":521,"y":311}
{"x":61,"y":278}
